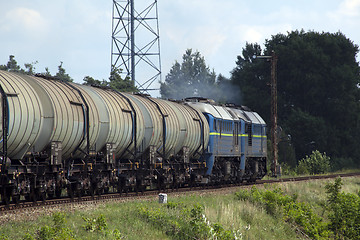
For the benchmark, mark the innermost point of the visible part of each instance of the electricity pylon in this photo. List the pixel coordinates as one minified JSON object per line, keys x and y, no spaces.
{"x":135,"y":47}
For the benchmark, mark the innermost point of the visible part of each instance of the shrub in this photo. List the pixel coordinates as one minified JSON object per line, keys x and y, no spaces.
{"x":344,"y":212}
{"x":55,"y":231}
{"x":95,"y":224}
{"x":316,"y":163}
{"x":185,"y":222}
{"x":3,"y":237}
{"x":278,"y":204}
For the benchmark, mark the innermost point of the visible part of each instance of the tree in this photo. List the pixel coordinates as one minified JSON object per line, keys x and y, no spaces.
{"x":11,"y":65}
{"x":62,"y":75}
{"x":30,"y":69}
{"x":123,"y":85}
{"x":252,"y":77}
{"x":190,"y":78}
{"x":94,"y":82}
{"x":318,"y":93}
{"x":115,"y":82}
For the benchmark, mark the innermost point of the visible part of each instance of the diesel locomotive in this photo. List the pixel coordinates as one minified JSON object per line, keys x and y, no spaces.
{"x":62,"y":138}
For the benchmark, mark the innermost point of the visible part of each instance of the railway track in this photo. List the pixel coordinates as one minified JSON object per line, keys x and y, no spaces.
{"x":98,"y":199}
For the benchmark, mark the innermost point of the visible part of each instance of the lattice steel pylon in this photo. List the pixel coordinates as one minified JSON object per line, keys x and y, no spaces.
{"x":136,"y":42}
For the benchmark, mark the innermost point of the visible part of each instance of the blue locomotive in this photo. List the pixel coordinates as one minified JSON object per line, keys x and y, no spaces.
{"x":237,"y":148}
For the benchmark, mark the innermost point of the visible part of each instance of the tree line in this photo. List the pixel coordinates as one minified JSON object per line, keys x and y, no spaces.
{"x":318,"y":92}
{"x":318,"y":79}
{"x":115,"y":80}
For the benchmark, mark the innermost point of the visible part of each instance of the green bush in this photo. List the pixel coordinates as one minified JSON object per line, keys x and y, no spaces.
{"x":3,"y":237}
{"x":278,"y":204}
{"x":344,"y":209}
{"x":95,"y":224}
{"x":316,"y":163}
{"x":55,"y":231}
{"x":185,"y":222}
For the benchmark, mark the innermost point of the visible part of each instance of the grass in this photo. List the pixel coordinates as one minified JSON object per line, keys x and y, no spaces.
{"x":253,"y":222}
{"x":247,"y":218}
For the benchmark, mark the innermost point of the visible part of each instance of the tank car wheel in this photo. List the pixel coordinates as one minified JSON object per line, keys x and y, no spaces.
{"x":41,"y":195}
{"x":80,"y":190}
{"x":120,"y":185}
{"x":5,"y":196}
{"x":58,"y":191}
{"x":92,"y":190}
{"x":15,"y":198}
{"x":33,"y":196}
{"x":50,"y":195}
{"x":70,"y":191}
{"x":251,"y":180}
{"x":139,"y":186}
{"x":80,"y":193}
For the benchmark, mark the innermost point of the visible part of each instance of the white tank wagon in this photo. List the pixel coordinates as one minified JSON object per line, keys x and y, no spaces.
{"x":90,"y":139}
{"x":29,"y":119}
{"x":182,"y":125}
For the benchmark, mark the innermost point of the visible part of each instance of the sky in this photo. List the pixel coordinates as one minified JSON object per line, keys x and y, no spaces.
{"x":78,"y":32}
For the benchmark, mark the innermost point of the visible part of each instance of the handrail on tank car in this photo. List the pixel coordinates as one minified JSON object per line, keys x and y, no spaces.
{"x":164,"y":125}
{"x":134,"y":127}
{"x":202,"y":144}
{"x":5,"y":128}
{"x":87,"y":122}
{"x":85,"y":112}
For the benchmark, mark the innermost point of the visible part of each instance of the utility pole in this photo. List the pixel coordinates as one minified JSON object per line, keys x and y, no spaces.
{"x":274,"y":116}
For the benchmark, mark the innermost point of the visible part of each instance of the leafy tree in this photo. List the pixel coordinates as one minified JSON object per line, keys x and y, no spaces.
{"x":314,"y":164}
{"x":343,"y":212}
{"x":115,"y":82}
{"x":318,"y":93}
{"x":30,"y":69}
{"x":11,"y":65}
{"x":123,"y":85}
{"x":190,"y":78}
{"x":47,"y":72}
{"x":91,"y":81}
{"x":252,"y":77}
{"x":3,"y":67}
{"x":62,"y":75}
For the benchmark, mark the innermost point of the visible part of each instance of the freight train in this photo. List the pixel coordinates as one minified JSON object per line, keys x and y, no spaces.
{"x":62,"y":138}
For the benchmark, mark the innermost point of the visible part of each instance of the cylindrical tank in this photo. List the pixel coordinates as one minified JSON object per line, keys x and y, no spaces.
{"x":28,"y":121}
{"x":196,"y":125}
{"x":42,"y":111}
{"x":69,"y":114}
{"x":172,"y":126}
{"x":98,"y":118}
{"x":121,"y":122}
{"x":152,"y":124}
{"x":183,"y":125}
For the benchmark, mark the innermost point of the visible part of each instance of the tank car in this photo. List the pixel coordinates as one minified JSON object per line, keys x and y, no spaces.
{"x":58,"y":136}
{"x":88,"y":140}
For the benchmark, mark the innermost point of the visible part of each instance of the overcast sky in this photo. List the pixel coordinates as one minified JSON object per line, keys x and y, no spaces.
{"x":78,"y":32}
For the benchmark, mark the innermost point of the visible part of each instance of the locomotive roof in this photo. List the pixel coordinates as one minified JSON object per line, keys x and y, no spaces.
{"x":227,"y":113}
{"x":216,"y":111}
{"x":254,"y":117}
